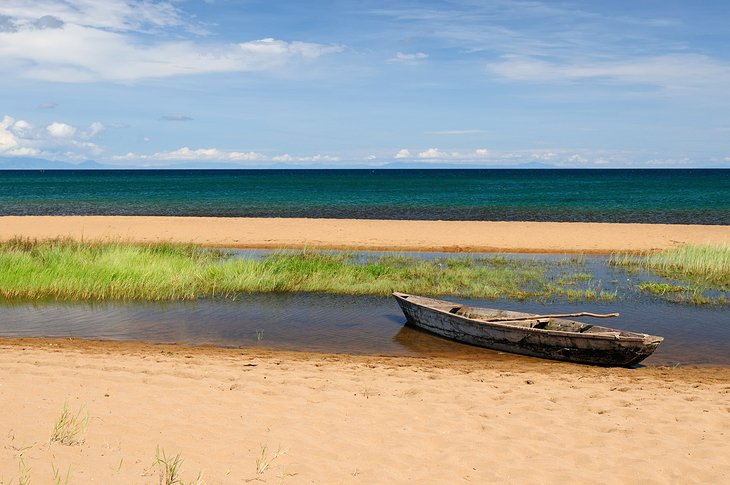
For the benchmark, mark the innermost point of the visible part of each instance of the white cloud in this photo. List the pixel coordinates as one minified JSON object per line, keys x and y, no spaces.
{"x":435,"y":153}
{"x":22,"y":128}
{"x":408,"y":58}
{"x":56,"y":141}
{"x":309,"y":158}
{"x":403,"y":153}
{"x":8,"y":139}
{"x":186,"y":153}
{"x":677,"y":71}
{"x":97,"y":41}
{"x":218,"y":155}
{"x":94,"y":129}
{"x":61,"y":130}
{"x":117,"y":15}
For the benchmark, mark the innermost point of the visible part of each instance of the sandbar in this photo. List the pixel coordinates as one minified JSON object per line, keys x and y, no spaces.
{"x":355,"y":419}
{"x":366,"y":234}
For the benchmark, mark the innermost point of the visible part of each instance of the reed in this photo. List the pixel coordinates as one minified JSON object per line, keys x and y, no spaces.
{"x":699,"y":264}
{"x":68,"y":270}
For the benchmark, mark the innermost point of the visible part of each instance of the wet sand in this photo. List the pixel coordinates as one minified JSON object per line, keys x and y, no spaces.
{"x":349,"y":419}
{"x":448,"y":236}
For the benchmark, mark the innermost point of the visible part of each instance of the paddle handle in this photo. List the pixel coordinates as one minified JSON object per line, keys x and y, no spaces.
{"x":564,"y":315}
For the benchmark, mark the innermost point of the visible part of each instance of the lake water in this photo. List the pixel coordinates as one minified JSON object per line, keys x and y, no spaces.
{"x":697,"y":196}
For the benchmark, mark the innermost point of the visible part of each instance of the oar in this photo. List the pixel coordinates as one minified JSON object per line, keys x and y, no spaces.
{"x":564,"y":315}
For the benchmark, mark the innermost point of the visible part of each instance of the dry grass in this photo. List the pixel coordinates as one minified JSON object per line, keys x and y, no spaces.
{"x":70,"y":428}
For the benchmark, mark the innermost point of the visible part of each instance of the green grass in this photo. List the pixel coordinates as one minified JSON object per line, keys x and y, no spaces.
{"x":703,"y":272}
{"x":68,"y":270}
{"x":705,"y":265}
{"x":660,"y":288}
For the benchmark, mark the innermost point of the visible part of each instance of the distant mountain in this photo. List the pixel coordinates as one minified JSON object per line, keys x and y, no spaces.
{"x":442,"y":165}
{"x":43,"y":164}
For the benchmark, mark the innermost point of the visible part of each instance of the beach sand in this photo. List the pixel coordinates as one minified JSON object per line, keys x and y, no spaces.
{"x":361,"y":234}
{"x":355,"y":419}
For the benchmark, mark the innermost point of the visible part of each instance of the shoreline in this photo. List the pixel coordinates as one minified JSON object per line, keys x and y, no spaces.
{"x":368,"y":234}
{"x":343,"y":419}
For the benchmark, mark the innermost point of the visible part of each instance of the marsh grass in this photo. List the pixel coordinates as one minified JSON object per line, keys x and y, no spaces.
{"x":702,"y":270}
{"x":70,"y":428}
{"x":655,"y":288}
{"x":705,"y":265}
{"x":69,"y":270}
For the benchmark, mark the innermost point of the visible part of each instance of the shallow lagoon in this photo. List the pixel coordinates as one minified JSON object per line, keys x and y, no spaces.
{"x":694,"y":335}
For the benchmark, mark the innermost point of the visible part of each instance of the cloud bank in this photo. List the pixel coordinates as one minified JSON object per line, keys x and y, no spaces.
{"x":82,"y":41}
{"x":57,"y":140}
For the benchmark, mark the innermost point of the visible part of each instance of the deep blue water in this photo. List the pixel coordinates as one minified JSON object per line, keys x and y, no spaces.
{"x":655,"y":196}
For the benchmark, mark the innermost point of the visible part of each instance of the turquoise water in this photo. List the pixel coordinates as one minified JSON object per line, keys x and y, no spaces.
{"x":653,"y":196}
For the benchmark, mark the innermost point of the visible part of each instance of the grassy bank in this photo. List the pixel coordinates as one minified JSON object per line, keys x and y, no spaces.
{"x":67,"y":270}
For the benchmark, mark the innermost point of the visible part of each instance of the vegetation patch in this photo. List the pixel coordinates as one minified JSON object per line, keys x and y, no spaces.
{"x":660,"y":288}
{"x":703,"y":265}
{"x":69,"y":270}
{"x":703,"y":270}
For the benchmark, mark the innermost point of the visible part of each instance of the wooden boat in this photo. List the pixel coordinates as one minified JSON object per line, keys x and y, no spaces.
{"x":547,"y":336}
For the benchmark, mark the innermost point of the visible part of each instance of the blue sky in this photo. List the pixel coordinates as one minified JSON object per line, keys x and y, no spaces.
{"x":351,"y":83}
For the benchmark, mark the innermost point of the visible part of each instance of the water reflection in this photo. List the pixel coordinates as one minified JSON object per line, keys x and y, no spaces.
{"x":346,"y":324}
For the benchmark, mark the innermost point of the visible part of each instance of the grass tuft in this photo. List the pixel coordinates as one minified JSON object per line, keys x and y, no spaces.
{"x":169,"y":467}
{"x":70,"y":428}
{"x":264,"y":460}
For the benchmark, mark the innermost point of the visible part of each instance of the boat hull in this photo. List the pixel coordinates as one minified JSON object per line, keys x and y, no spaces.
{"x":607,"y":350}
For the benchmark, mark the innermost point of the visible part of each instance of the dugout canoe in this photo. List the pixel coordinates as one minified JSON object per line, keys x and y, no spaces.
{"x":543,"y":336}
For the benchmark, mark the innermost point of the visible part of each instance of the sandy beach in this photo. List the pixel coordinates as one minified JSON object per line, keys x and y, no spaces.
{"x":282,"y":417}
{"x":348,"y":419}
{"x":363,"y":234}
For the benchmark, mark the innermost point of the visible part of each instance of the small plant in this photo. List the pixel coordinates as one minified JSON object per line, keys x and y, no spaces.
{"x":23,"y":472}
{"x":70,"y":428}
{"x":169,"y":467}
{"x":264,"y":460}
{"x":59,"y":479}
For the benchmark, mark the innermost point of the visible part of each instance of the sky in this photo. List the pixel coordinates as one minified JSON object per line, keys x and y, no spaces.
{"x":345,"y":83}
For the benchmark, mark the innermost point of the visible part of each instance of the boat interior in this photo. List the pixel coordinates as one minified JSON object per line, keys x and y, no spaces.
{"x":522,"y":320}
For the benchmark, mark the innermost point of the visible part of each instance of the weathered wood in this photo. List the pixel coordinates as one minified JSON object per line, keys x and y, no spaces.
{"x":526,"y":334}
{"x":561,"y":315}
